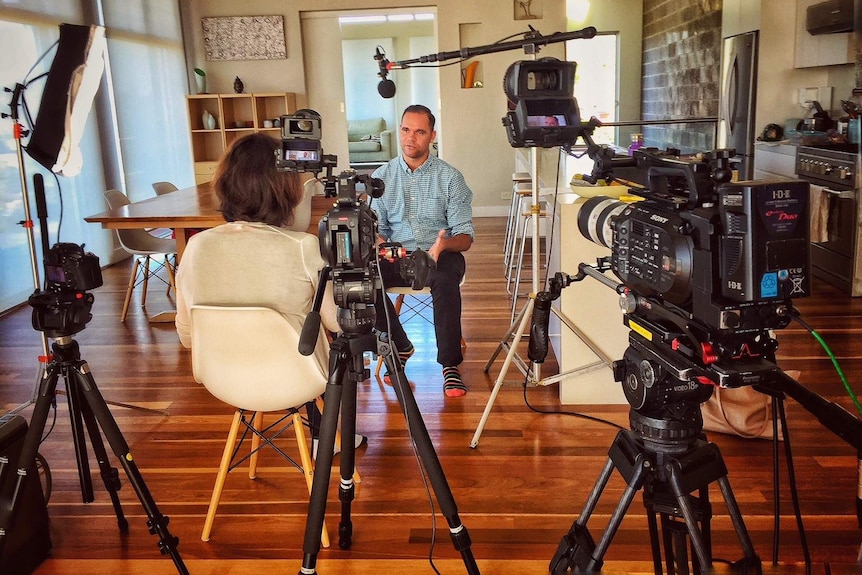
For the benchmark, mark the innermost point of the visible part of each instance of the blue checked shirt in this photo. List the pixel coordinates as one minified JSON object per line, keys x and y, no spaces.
{"x":416,"y":205}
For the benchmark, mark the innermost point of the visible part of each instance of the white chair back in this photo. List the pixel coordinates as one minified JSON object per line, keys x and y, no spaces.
{"x":162,"y":188}
{"x":248,"y":357}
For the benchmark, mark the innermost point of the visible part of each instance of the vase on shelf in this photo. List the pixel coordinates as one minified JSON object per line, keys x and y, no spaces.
{"x":201,"y":81}
{"x":208,"y":120}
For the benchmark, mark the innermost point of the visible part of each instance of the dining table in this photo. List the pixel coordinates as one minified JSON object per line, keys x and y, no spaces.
{"x":186,"y":211}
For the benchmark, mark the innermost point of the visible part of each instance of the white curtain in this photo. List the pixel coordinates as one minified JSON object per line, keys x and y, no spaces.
{"x":135,"y":135}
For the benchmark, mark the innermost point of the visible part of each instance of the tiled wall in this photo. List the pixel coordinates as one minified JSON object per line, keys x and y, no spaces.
{"x":681,"y":68}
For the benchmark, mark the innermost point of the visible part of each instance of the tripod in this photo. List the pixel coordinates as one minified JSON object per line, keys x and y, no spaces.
{"x":346,"y":368}
{"x":87,"y":408}
{"x":669,"y":460}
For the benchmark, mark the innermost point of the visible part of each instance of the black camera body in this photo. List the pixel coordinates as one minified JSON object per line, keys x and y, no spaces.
{"x":730,"y":254}
{"x":63,"y":308}
{"x":543,"y":112}
{"x":348,"y":238}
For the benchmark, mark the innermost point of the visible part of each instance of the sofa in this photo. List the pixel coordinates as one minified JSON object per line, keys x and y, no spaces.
{"x":369,"y":141}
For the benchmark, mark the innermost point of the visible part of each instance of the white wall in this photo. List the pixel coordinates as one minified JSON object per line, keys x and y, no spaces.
{"x":778,"y":80}
{"x":471,"y":133}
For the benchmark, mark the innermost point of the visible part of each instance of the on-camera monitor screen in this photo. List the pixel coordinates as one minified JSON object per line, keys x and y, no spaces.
{"x":301,"y":150}
{"x":302,"y":155}
{"x":550,"y":120}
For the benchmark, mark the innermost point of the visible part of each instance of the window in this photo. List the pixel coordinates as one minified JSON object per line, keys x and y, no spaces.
{"x":135,"y":135}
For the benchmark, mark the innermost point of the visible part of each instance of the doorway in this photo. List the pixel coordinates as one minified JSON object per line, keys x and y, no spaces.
{"x":400,"y":35}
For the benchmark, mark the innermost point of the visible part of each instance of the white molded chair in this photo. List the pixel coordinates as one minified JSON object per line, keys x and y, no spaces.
{"x":248,"y":358}
{"x":163,"y":188}
{"x":143,"y":246}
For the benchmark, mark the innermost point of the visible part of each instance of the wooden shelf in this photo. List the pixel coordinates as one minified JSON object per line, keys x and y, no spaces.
{"x":236,"y":115}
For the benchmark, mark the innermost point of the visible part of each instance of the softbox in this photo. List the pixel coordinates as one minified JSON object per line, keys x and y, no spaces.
{"x":69,"y":91}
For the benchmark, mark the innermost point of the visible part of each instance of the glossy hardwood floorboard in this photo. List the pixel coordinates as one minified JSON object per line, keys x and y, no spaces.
{"x":517,"y":493}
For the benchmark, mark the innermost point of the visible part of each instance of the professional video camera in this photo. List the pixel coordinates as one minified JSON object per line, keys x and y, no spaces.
{"x":708,"y":266}
{"x":63,"y":308}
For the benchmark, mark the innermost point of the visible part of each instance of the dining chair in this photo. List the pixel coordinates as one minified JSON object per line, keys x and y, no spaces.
{"x":143,"y":246}
{"x":248,"y":358}
{"x":163,"y":188}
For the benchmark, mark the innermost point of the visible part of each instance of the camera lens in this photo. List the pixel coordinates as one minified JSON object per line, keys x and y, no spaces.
{"x":594,"y":219}
{"x":304,"y":125}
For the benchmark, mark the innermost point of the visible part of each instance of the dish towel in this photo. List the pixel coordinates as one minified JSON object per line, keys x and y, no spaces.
{"x":818,"y":214}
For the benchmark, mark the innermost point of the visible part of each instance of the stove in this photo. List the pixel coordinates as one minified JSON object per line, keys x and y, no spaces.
{"x":832,"y":170}
{"x":828,"y":165}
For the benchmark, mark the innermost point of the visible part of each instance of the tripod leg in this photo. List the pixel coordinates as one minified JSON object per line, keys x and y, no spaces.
{"x":158,"y":524}
{"x":74,"y":399}
{"x":338,"y":359}
{"x":347,"y":489}
{"x":29,"y":449}
{"x":704,"y":554}
{"x":751,"y":557}
{"x":110,"y":475}
{"x":422,"y":441}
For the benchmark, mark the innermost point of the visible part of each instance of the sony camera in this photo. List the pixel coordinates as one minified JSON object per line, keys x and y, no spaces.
{"x":543,"y":112}
{"x":63,"y":307}
{"x":728,"y":254}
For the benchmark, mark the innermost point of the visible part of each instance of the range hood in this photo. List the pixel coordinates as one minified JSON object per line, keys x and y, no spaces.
{"x":830,"y":17}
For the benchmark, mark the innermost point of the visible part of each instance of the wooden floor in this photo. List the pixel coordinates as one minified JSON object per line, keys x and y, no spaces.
{"x":517,"y":493}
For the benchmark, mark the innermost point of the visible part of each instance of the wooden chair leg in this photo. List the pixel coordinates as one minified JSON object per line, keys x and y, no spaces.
{"x":172,"y":284}
{"x":146,"y":281}
{"x":257,"y":423}
{"x":129,"y":289}
{"x":307,"y":466}
{"x":221,"y":476}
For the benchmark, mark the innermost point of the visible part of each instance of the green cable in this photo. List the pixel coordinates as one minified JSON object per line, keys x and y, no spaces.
{"x":840,"y":371}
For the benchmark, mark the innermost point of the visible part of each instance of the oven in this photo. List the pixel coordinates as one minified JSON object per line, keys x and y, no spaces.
{"x":832,"y":173}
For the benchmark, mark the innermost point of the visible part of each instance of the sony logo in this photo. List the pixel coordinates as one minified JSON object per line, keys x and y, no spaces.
{"x":658,"y":218}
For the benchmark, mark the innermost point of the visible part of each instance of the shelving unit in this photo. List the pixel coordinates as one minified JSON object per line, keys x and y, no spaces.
{"x":236,"y":115}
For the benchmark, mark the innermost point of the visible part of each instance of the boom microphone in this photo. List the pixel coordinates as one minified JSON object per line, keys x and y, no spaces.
{"x":386,"y":87}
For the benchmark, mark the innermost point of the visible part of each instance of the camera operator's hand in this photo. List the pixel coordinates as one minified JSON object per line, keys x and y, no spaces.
{"x":444,"y":243}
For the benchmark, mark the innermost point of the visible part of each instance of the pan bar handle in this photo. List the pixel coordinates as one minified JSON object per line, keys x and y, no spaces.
{"x":841,"y":194}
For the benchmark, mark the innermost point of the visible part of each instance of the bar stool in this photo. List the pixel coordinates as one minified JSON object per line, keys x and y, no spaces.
{"x":517,"y":178}
{"x":522,"y":193}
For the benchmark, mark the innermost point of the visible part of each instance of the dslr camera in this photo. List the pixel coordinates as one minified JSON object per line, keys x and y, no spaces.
{"x":63,"y":307}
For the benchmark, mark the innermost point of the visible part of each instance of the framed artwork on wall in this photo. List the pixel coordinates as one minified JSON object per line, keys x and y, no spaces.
{"x":244,"y":38}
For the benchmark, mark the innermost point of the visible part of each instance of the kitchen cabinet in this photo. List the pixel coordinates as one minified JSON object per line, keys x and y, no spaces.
{"x":235,"y":115}
{"x":822,"y":49}
{"x":774,"y":161}
{"x":739,"y":17}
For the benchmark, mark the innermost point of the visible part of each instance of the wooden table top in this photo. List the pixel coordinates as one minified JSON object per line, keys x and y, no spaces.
{"x":193,"y":207}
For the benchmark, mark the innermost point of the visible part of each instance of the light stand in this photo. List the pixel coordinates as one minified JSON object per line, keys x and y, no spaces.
{"x":19,"y":132}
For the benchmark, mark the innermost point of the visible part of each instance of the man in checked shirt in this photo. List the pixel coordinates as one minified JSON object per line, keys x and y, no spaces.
{"x":426,"y":205}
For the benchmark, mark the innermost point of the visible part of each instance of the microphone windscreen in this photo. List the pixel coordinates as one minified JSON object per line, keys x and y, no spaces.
{"x":386,"y":88}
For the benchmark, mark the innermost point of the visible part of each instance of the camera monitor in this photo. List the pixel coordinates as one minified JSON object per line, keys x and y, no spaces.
{"x":544,"y":112}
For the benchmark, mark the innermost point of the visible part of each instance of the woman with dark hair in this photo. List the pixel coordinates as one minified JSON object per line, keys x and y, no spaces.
{"x":262,"y":256}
